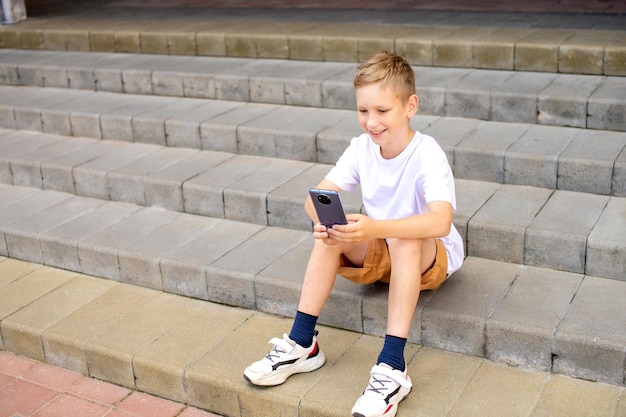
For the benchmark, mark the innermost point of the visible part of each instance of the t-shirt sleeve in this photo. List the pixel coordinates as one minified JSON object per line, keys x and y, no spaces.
{"x":345,"y":173}
{"x":438,"y":181}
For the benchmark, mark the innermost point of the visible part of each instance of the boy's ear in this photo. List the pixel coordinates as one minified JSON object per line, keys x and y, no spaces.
{"x":413,"y":105}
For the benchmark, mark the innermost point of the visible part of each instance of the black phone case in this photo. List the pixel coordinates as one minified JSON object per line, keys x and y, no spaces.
{"x":328,"y":207}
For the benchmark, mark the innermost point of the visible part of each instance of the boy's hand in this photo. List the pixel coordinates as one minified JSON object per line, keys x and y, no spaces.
{"x":321,"y":232}
{"x":359,"y":229}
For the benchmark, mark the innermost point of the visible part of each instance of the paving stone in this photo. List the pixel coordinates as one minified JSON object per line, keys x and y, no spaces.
{"x":139,"y":263}
{"x":23,"y":238}
{"x":606,"y":108}
{"x":431,"y":85}
{"x":305,"y":47}
{"x":59,"y":245}
{"x":24,"y":208}
{"x":303,"y":89}
{"x":66,"y":40}
{"x":533,"y":159}
{"x":219,"y":133}
{"x":285,"y":204}
{"x":110,"y":353}
{"x":86,"y":121}
{"x":520,"y":330}
{"x":13,"y":269}
{"x":184,"y":130}
{"x":126,"y":183}
{"x":90,"y":178}
{"x":19,"y":143}
{"x":470,"y":95}
{"x":149,"y":127}
{"x":117,"y":123}
{"x":233,"y":283}
{"x":98,"y":252}
{"x":211,"y":43}
{"x":497,"y":389}
{"x":246,"y":199}
{"x":164,"y":187}
{"x":21,"y":332}
{"x":619,"y":175}
{"x":561,"y":105}
{"x":593,"y":153}
{"x":576,"y":398}
{"x":57,"y":172}
{"x":204,"y":194}
{"x":614,"y":60}
{"x":557,"y":236}
{"x":606,"y":256}
{"x":517,"y":99}
{"x":455,"y":49}
{"x":338,"y":91}
{"x":470,"y":197}
{"x":30,"y":287}
{"x":160,"y":367}
{"x":333,"y":141}
{"x":26,"y":168}
{"x":498,"y":229}
{"x":294,"y":139}
{"x":27,"y":118}
{"x":66,"y":341}
{"x":442,"y":377}
{"x":496,"y":49}
{"x":456,"y":315}
{"x":450,"y":131}
{"x":539,"y":51}
{"x":184,"y":271}
{"x":480,"y":156}
{"x":583,"y":53}
{"x":592,"y":323}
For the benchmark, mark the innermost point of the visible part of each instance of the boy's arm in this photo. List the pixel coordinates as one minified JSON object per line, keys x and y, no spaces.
{"x":436,"y":223}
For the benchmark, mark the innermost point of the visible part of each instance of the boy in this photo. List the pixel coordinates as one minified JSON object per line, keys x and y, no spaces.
{"x":407,"y":238}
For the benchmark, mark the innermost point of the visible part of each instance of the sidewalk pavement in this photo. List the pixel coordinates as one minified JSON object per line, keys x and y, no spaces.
{"x":31,"y":388}
{"x":194,"y":352}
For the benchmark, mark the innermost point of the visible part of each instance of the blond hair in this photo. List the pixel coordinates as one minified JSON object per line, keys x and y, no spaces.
{"x":390,"y":70}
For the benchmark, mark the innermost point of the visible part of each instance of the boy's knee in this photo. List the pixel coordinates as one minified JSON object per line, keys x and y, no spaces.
{"x":407,"y":246}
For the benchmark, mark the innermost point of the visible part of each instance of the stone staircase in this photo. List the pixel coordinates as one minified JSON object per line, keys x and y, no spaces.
{"x":187,"y":174}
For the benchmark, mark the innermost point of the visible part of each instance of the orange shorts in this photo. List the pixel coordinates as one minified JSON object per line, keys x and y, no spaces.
{"x":377,"y":266}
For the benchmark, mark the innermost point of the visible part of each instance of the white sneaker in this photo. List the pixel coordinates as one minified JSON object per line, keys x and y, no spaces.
{"x":285,"y":359}
{"x":387,"y":387}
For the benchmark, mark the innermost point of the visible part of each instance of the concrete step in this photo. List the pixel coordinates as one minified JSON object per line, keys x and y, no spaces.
{"x":194,"y":352}
{"x":486,"y":40}
{"x":521,"y":315}
{"x":572,"y":159}
{"x":583,"y":101}
{"x":512,"y":223}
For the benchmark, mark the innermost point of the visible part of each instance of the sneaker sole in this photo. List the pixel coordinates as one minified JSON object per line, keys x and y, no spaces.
{"x":278,"y":378}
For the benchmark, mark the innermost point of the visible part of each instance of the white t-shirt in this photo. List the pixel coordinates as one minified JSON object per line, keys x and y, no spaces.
{"x":403,"y":186}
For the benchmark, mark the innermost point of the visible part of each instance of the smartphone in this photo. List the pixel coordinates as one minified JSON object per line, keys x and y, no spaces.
{"x":328,"y":207}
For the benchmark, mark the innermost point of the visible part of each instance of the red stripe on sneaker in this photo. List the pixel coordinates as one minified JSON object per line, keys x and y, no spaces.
{"x":314,"y":352}
{"x":388,"y":409}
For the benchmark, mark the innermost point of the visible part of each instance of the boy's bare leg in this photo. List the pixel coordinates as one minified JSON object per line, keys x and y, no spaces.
{"x":321,"y":272}
{"x":409,"y":259}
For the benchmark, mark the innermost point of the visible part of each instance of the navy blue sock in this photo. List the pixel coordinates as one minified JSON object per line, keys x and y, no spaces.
{"x":303,"y":329}
{"x":393,"y":352}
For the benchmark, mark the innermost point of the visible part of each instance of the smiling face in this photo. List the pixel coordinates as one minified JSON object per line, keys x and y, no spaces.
{"x":386,"y":117}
